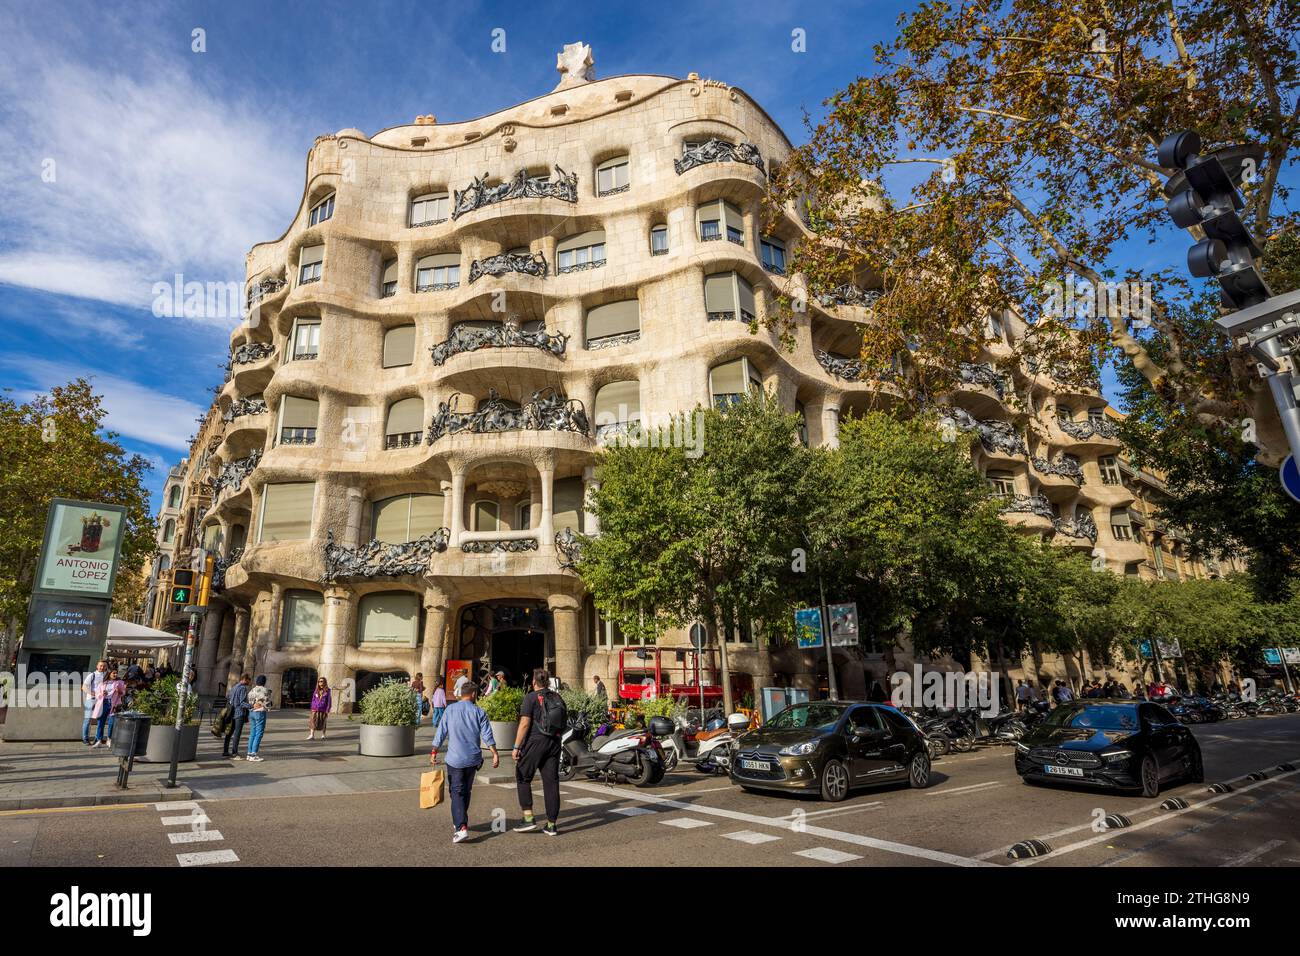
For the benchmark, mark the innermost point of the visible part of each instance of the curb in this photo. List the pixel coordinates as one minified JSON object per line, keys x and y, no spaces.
{"x":180,"y":792}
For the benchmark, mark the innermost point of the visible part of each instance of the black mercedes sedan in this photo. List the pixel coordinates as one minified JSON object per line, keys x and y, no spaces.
{"x":829,"y":747}
{"x":1118,"y":744}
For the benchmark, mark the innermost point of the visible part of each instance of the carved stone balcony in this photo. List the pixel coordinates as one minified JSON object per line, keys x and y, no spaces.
{"x":496,"y":266}
{"x":263,"y":287}
{"x":379,"y":559}
{"x":245,"y":406}
{"x":479,"y":194}
{"x":994,"y":435}
{"x":1028,"y":504}
{"x":468,"y":338}
{"x":719,"y":151}
{"x":548,"y":410}
{"x":1081,"y":527}
{"x":849,"y":295}
{"x":1060,"y":465}
{"x":1085,"y":430}
{"x":233,"y":474}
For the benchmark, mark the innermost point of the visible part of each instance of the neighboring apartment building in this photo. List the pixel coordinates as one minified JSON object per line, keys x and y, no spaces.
{"x":154,"y":610}
{"x":414,"y":409}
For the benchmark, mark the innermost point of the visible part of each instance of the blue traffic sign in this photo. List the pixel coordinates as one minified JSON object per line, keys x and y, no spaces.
{"x":1290,"y":477}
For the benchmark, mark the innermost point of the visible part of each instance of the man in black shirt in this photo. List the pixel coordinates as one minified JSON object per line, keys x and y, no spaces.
{"x":537,"y":748}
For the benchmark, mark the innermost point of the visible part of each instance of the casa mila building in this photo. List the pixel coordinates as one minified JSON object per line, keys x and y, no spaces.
{"x":458,"y":317}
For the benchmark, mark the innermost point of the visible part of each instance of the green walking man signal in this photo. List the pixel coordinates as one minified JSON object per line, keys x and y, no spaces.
{"x":183,"y":587}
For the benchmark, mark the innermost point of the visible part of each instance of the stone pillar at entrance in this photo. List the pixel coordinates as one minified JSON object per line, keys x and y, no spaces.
{"x":590,"y":483}
{"x":205,"y":663}
{"x":336,"y":630}
{"x":546,"y":527}
{"x":433,"y":654}
{"x":243,"y":630}
{"x":568,"y":647}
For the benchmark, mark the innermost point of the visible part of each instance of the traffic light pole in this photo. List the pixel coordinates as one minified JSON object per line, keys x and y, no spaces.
{"x":183,"y":691}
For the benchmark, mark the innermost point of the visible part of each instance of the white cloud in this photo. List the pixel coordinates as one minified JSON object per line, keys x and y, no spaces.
{"x":134,"y":410}
{"x":153,"y":173}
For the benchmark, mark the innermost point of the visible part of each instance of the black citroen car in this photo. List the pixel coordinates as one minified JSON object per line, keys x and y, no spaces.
{"x":829,"y":747}
{"x":1117,"y":744}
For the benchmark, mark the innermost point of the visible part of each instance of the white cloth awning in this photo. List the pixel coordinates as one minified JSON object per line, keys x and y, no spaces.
{"x":127,"y":638}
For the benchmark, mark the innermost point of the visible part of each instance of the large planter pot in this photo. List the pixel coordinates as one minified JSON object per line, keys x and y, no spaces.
{"x":381,"y":741}
{"x":162,"y":740}
{"x":503,"y":732}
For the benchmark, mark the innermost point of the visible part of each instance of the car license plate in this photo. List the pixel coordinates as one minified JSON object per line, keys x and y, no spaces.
{"x":1063,"y":771}
{"x":755,"y":765}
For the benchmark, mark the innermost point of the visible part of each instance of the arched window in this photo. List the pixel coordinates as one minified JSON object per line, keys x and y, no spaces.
{"x":429,"y":209}
{"x":399,"y":346}
{"x":584,"y":251}
{"x":174,"y":497}
{"x":405,"y":425}
{"x":389,"y":618}
{"x":405,"y":517}
{"x":615,"y":323}
{"x":618,"y":406}
{"x":612,"y":176}
{"x":238,"y":537}
{"x":728,"y":296}
{"x":435,"y":273}
{"x":322,"y":211}
{"x":169,"y":531}
{"x":729,"y":382}
{"x":568,"y":501}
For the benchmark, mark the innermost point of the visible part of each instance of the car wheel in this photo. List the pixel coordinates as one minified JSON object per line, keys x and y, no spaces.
{"x":918,"y":771}
{"x":1150,"y":777}
{"x":835,"y":782}
{"x":1196,"y":771}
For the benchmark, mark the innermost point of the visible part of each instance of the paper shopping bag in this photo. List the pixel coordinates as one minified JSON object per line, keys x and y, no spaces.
{"x":431,"y":788}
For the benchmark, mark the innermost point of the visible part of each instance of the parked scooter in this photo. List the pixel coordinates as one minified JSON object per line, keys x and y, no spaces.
{"x":623,"y":756}
{"x":710,"y":751}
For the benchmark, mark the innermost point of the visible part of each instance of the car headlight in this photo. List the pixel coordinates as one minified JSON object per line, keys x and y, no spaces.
{"x":1021,"y":748}
{"x":1116,"y":756}
{"x":800,"y":750}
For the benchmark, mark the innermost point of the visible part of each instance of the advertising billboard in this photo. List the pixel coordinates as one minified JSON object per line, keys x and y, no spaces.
{"x":81,"y":548}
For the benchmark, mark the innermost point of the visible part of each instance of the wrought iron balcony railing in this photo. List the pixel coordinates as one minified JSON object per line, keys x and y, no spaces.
{"x":381,"y":559}
{"x":251,"y":352}
{"x":509,"y":545}
{"x":529,"y":264}
{"x":840,"y":366}
{"x":732,"y":315}
{"x":221,"y":565}
{"x":437,"y":286}
{"x":981,"y":373}
{"x":1087,"y":429}
{"x":403,"y":440}
{"x":479,"y":194}
{"x":232,"y":474}
{"x":242,"y":407}
{"x":1028,"y":504}
{"x":1082,"y":526}
{"x":612,"y":341}
{"x":260,"y":289}
{"x":1060,"y":465}
{"x":297,"y":436}
{"x":994,"y":435}
{"x":468,"y":338}
{"x":849,"y":295}
{"x":581,"y":266}
{"x":719,"y":151}
{"x":547,"y":411}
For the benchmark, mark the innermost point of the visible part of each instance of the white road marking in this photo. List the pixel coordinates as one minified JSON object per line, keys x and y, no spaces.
{"x":987,"y":785}
{"x":1255,"y":854}
{"x":195,"y":836}
{"x":1103,"y":837}
{"x":750,"y":837}
{"x":192,"y":819}
{"x":686,"y":823}
{"x":825,"y":854}
{"x":176,"y":805}
{"x":586,"y":801}
{"x":888,"y":846}
{"x":207,"y":858}
{"x":631,"y":811}
{"x":794,"y":814}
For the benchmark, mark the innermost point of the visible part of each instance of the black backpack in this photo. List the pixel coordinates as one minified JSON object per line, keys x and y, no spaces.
{"x":554,"y":717}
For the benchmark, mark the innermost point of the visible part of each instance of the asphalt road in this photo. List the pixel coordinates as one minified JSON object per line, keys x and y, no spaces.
{"x":974,"y":810}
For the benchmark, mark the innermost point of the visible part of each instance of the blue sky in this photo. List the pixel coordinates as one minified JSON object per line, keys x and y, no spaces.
{"x":169,"y":161}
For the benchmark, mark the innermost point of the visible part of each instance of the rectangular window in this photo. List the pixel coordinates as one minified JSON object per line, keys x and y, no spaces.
{"x":429,"y":209}
{"x":388,"y":282}
{"x":389,"y":619}
{"x":322,"y":211}
{"x":568,"y":494}
{"x":309,"y":264}
{"x":659,"y":241}
{"x":298,"y":420}
{"x":304,"y":616}
{"x":612,"y":177}
{"x":1002,"y":485}
{"x":286,"y":512}
{"x":773,"y":253}
{"x":1110,"y":474}
{"x":399,"y":346}
{"x":306,"y":339}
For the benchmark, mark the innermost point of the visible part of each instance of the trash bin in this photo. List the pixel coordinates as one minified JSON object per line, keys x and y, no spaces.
{"x":127,"y":726}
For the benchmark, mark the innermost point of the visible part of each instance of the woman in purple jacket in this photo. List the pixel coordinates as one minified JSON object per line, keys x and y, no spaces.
{"x":320,"y":708}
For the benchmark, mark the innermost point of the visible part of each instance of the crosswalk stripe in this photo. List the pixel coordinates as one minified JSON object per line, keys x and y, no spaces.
{"x":686,"y":823}
{"x":195,"y":836}
{"x":199,"y":817}
{"x":207,"y":858}
{"x":176,"y":805}
{"x":587,"y":801}
{"x":825,"y":854}
{"x":750,"y":837}
{"x":632,"y":811}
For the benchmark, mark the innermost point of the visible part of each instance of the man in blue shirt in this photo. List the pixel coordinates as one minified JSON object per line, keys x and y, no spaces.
{"x":462,"y":727}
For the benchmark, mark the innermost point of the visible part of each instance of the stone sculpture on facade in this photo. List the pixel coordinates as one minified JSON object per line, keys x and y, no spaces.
{"x":548,"y":410}
{"x":719,"y":151}
{"x":471,"y":338}
{"x":529,"y":264}
{"x":379,"y":559}
{"x":242,"y":407}
{"x":479,"y":194}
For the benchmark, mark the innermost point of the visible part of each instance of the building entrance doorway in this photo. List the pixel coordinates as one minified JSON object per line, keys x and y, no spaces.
{"x":514,"y":636}
{"x":296,"y":687}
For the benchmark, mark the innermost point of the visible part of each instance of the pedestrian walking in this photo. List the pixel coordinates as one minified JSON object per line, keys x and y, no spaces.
{"x":496,"y":683}
{"x":417,"y":688}
{"x":438,"y":702}
{"x":259,"y":699}
{"x":90,"y":687}
{"x":108,"y":701}
{"x":320,"y":708}
{"x":238,"y":701}
{"x":1022,"y":695}
{"x":542,"y":719}
{"x":465,"y":729}
{"x":601,"y":692}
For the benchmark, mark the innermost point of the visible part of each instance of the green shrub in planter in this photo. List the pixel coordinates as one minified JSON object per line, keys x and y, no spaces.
{"x":158,"y":700}
{"x":391,"y":704}
{"x":503,"y":706}
{"x":640,"y":711}
{"x":580,"y":702}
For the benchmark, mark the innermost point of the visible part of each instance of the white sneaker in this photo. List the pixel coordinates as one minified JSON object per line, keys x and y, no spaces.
{"x":460,"y":836}
{"x":255,"y":758}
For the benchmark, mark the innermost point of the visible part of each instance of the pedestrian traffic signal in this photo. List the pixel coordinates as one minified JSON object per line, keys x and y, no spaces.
{"x":182,"y":589}
{"x":1204,"y":195}
{"x":205,"y":585}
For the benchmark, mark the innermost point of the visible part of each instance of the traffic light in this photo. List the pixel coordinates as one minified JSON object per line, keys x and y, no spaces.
{"x":205,"y":586}
{"x":182,"y":589}
{"x":1205,"y":196}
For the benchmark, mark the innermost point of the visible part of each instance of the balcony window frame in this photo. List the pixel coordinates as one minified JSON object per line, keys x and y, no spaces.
{"x":590,"y":255}
{"x":313,"y":270}
{"x":445,"y":275}
{"x":612,"y":167}
{"x":302,"y":323}
{"x":301,"y":434}
{"x":752,"y":376}
{"x":777,"y":247}
{"x":322,"y":211}
{"x":1108,"y":467}
{"x":430,"y":204}
{"x":655,"y":231}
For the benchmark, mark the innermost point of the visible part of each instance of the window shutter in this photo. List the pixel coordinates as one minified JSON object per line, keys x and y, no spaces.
{"x":390,"y":271}
{"x":595,"y":237}
{"x":615,"y":318}
{"x":304,"y":615}
{"x":399,"y":346}
{"x":441,"y":259}
{"x":426,"y":514}
{"x":729,"y":379}
{"x":618,"y":402}
{"x":720,"y":292}
{"x":405,"y":416}
{"x":298,"y":412}
{"x":311,"y":255}
{"x":568,"y":504}
{"x":746,"y":294}
{"x":734,"y":219}
{"x":287,"y":511}
{"x":388,"y":619}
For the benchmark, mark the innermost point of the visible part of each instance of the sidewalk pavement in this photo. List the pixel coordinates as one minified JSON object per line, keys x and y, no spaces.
{"x":68,"y":774}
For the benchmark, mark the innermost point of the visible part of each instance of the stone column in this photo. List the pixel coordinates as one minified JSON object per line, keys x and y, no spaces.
{"x":546,"y":527}
{"x":265,"y":627}
{"x":445,"y":488}
{"x":590,"y":483}
{"x":457,"y":525}
{"x":205,"y":663}
{"x":568,"y":644}
{"x":352,"y":532}
{"x":433,"y":654}
{"x":336,"y":635}
{"x":239,"y":644}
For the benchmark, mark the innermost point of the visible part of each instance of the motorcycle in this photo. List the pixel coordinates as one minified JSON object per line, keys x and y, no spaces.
{"x":631,"y":756}
{"x":712,"y":750}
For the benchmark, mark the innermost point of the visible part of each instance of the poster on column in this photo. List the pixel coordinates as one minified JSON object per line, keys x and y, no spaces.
{"x":844,"y":625}
{"x":80,"y":551}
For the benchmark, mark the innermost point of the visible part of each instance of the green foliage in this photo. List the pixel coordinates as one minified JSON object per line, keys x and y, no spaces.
{"x":578,"y":701}
{"x":56,"y":446}
{"x":391,"y":704}
{"x":158,"y":700}
{"x":503,"y":706}
{"x":640,"y":711}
